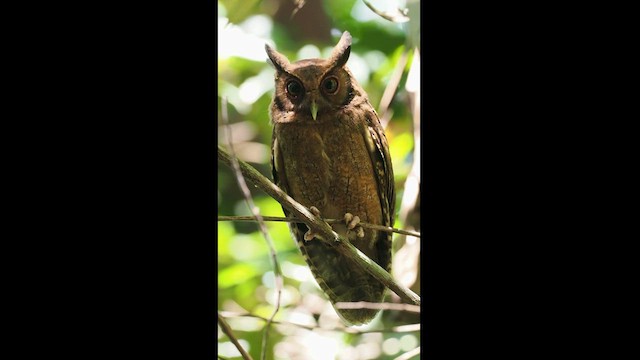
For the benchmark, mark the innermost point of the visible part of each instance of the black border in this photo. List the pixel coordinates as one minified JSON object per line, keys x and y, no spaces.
{"x":121,"y":146}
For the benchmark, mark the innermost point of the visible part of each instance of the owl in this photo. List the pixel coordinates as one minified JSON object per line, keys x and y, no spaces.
{"x":330,"y":153}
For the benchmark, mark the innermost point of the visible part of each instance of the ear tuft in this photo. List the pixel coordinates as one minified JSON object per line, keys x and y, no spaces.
{"x":279,"y":61}
{"x":340,"y":53}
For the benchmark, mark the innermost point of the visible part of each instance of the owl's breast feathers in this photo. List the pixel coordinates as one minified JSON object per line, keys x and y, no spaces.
{"x":340,"y":166}
{"x":330,"y":166}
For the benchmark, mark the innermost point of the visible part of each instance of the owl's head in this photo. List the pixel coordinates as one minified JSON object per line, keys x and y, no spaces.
{"x":311,"y":90}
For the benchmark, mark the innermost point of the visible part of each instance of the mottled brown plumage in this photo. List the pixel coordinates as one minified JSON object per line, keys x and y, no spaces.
{"x":329,"y":151}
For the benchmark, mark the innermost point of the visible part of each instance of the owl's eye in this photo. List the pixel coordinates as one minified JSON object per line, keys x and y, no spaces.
{"x":294,"y":88}
{"x":330,"y":85}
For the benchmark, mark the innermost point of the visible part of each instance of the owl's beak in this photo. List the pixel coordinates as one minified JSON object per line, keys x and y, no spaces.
{"x":314,"y":109}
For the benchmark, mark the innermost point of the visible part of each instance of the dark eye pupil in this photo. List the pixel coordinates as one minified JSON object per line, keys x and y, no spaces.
{"x":331,"y":85}
{"x":294,"y":88}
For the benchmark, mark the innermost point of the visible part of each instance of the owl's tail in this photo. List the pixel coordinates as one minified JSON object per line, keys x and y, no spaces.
{"x":342,"y":280}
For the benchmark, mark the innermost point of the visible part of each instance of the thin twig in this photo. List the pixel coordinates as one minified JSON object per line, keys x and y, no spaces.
{"x":323,"y":231}
{"x":263,"y":228}
{"x":409,"y":354}
{"x":397,"y":15}
{"x":380,"y":306}
{"x":251,"y":218}
{"x":330,"y":221}
{"x":227,"y":330}
{"x":395,"y":329}
{"x":299,"y":4}
{"x":407,"y":328}
{"x":392,"y":86}
{"x":406,"y":264}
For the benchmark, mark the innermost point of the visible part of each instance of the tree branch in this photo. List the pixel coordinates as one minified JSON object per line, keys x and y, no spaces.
{"x":396,"y":15}
{"x":227,"y":330}
{"x":321,"y":228}
{"x":329,"y":221}
{"x":392,"y":86}
{"x":381,"y":306}
{"x":394,"y":329}
{"x":410,"y":354}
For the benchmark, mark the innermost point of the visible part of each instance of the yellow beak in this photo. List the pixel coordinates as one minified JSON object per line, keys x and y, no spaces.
{"x":314,"y":110}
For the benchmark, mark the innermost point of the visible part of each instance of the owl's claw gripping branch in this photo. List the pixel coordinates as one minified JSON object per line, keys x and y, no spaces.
{"x":353,"y":222}
{"x":309,"y":235}
{"x":315,"y":211}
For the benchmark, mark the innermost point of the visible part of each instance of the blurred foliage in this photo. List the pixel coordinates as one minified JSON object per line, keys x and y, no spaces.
{"x":245,"y":271}
{"x":238,"y":10}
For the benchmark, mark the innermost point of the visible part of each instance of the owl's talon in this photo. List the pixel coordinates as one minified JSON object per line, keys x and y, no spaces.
{"x":314,"y":210}
{"x":309,"y":235}
{"x":353,"y":223}
{"x":347,"y":218}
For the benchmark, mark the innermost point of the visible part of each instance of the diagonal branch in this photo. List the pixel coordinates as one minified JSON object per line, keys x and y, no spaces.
{"x":392,"y":86}
{"x":227,"y":330}
{"x":321,"y":228}
{"x":396,"y":15}
{"x":409,"y":355}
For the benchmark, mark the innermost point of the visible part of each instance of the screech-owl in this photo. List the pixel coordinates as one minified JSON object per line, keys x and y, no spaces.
{"x":330,"y":152}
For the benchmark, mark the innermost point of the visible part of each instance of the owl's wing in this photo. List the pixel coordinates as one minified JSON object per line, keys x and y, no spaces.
{"x":381,"y":160}
{"x":297,"y":229}
{"x":277,"y":166}
{"x":277,"y":171}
